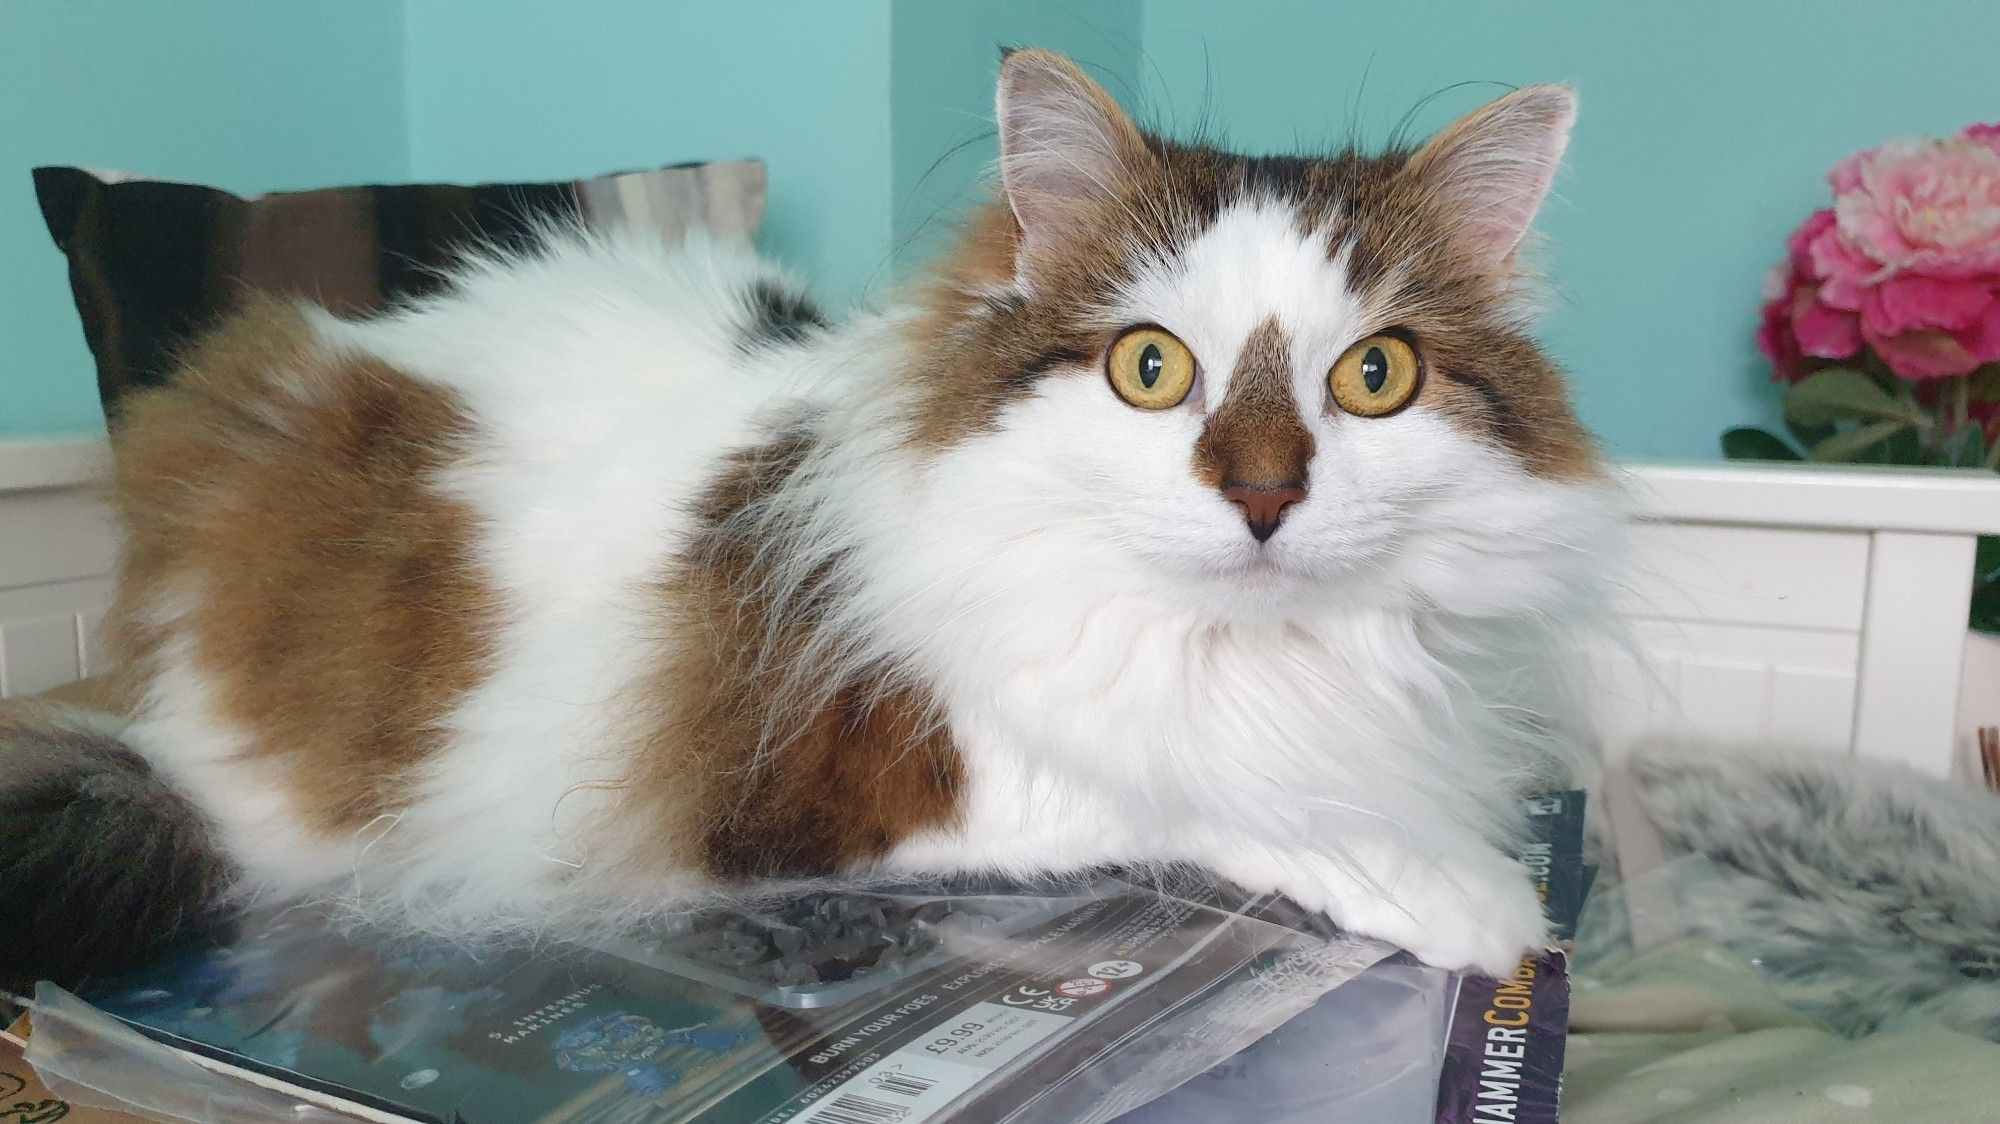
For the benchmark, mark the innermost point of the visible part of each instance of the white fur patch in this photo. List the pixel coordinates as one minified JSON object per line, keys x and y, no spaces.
{"x":603,"y":380}
{"x":1252,"y":264}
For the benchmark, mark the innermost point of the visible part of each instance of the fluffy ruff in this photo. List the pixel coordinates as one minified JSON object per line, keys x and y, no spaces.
{"x":1868,"y":893}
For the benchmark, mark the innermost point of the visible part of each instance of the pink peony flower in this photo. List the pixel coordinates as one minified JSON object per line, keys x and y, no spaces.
{"x":1906,"y":263}
{"x":1799,"y":323}
{"x":1931,"y":207}
{"x":1927,"y":327}
{"x":1776,"y":340}
{"x":1988,"y":135}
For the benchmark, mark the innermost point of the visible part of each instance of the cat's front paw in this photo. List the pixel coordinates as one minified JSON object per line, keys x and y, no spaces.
{"x":1484,"y":917}
{"x":1485,"y":928}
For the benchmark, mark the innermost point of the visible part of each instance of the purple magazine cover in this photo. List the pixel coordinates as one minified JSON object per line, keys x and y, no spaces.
{"x":1504,"y":1052}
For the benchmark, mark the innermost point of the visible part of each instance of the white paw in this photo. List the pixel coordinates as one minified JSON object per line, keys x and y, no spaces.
{"x":1484,"y":917}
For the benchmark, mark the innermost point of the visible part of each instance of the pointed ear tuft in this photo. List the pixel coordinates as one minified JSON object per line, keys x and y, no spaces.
{"x":1065,"y":148}
{"x":1492,"y":168}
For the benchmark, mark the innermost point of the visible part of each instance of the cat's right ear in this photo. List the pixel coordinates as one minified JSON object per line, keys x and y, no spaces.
{"x":1066,"y":151}
{"x":1493,"y":167}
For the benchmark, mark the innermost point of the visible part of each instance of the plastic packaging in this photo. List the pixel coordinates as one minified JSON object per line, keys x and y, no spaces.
{"x":88,"y":1058}
{"x":917,"y":1004}
{"x":924,"y":1004}
{"x":1370,"y":1050}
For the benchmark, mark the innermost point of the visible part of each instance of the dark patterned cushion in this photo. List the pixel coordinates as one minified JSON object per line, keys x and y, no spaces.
{"x":152,"y":263}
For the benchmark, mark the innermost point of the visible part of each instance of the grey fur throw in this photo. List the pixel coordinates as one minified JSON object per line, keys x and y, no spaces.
{"x":1869,"y":894}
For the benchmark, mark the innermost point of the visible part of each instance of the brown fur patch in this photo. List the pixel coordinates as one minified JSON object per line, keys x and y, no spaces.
{"x":976,"y":353}
{"x":771,"y":770}
{"x":982,"y":344}
{"x":337,"y":609}
{"x":1256,"y":437}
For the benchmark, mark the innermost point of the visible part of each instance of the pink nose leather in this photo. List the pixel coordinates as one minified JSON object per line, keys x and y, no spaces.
{"x":1263,"y":505}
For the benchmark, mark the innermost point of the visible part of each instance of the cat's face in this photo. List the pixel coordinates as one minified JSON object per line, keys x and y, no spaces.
{"x":1259,"y":385}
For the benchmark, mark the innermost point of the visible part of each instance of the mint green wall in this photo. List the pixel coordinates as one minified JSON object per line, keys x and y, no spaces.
{"x":502,"y":89}
{"x":943,"y":59}
{"x":1706,"y":127}
{"x":246,"y":94}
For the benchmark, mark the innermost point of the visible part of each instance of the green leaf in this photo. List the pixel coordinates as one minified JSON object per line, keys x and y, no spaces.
{"x":1747,"y":443}
{"x":1986,"y":586}
{"x":1836,"y":393}
{"x":1986,"y":560}
{"x":1904,"y":392}
{"x":1906,"y":447}
{"x":1965,"y":449}
{"x":1846,"y":446}
{"x":1806,"y":436}
{"x":1985,"y":615}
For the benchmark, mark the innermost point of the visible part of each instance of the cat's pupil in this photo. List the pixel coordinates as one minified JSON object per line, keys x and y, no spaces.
{"x":1374,"y":370}
{"x":1151,"y":363}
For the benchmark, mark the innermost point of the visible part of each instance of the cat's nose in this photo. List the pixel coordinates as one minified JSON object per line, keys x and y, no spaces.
{"x":1263,"y":504}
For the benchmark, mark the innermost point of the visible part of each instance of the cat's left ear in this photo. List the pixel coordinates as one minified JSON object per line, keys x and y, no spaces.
{"x":1492,"y":168}
{"x":1067,"y":151}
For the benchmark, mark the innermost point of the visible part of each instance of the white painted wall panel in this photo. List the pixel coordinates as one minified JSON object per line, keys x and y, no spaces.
{"x":58,"y":547}
{"x":1913,"y":647}
{"x":37,"y":654}
{"x":55,"y":534}
{"x":1749,"y":575}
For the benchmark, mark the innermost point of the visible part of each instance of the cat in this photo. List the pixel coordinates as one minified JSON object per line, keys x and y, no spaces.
{"x":1196,"y":509}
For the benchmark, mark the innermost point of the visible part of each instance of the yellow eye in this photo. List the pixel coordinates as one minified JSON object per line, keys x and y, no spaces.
{"x":1377,"y":377}
{"x":1149,"y":368}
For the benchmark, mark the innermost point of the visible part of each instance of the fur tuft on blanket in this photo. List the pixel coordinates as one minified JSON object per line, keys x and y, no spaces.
{"x":1868,"y":893}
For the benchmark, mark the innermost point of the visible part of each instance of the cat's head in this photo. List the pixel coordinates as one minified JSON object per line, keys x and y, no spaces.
{"x":1262,"y":382}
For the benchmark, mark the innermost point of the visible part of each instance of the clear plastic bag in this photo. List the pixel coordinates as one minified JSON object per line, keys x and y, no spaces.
{"x":923,"y":1004}
{"x":88,"y":1058}
{"x":1370,"y":1050}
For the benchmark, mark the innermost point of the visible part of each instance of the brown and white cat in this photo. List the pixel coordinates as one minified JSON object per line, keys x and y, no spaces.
{"x":1199,"y":508}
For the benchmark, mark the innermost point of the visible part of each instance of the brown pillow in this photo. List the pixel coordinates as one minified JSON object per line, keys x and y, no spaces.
{"x":152,"y":263}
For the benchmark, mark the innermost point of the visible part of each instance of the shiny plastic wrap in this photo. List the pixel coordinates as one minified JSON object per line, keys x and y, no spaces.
{"x":872,"y":1007}
{"x":1167,"y":1002}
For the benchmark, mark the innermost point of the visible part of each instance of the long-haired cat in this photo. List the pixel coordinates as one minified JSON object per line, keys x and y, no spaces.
{"x":1197,"y":509}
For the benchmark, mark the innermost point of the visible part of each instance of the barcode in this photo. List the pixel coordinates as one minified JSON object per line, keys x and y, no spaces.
{"x":852,"y":1108}
{"x":902,"y":1084}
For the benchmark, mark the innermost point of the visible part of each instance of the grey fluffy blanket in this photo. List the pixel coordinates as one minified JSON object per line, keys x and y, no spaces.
{"x":1868,"y":895}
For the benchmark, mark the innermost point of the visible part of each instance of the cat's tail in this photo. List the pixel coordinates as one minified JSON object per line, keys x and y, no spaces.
{"x":101,"y":861}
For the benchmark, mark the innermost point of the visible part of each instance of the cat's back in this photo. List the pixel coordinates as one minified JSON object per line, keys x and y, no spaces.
{"x":398,"y":570}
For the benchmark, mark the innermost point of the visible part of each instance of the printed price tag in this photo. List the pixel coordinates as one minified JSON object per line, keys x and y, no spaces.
{"x":917,"y":1081}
